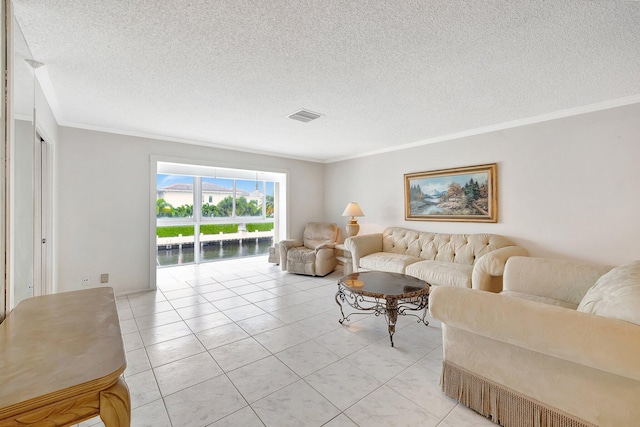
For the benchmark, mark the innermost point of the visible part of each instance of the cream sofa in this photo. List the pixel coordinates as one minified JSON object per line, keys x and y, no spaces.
{"x":462,"y":260}
{"x":552,"y":349}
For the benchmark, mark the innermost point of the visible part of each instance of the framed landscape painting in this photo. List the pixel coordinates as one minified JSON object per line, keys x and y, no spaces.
{"x":459,"y":194}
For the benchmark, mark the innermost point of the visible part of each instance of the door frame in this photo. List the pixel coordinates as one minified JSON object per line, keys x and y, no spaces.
{"x":42,"y":217}
{"x":281,"y":198}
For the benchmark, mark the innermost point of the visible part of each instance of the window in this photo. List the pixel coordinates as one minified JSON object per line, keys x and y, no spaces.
{"x":220,"y":195}
{"x":205,"y":213}
{"x":174,"y":196}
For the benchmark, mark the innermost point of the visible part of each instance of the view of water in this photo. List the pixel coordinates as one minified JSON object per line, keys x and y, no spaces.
{"x":213,"y":252}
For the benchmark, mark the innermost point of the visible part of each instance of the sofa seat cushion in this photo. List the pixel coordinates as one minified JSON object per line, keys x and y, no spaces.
{"x":538,"y":298}
{"x":387,"y":261}
{"x":616,"y":294}
{"x":439,"y":273}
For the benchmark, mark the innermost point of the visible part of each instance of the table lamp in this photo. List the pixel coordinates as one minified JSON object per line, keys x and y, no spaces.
{"x":353,"y":210}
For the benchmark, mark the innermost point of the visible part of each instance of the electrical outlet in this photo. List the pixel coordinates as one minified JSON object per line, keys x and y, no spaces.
{"x":104,"y":278}
{"x":85,"y":281}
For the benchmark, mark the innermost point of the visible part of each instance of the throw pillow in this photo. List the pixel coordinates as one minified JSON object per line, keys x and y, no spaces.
{"x":616,"y":294}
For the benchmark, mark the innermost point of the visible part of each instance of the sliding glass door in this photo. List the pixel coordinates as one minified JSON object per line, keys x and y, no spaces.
{"x":219,"y":215}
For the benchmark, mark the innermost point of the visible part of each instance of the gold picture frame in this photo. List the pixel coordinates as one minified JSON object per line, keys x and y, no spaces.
{"x":459,"y":194}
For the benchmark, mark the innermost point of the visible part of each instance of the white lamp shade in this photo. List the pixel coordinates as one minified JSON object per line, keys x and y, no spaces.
{"x":352,"y":209}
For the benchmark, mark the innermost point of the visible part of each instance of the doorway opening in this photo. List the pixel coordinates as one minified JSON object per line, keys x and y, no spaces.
{"x":205,"y":213}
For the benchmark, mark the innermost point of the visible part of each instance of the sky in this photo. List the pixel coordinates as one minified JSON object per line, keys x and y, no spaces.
{"x":164,"y":180}
{"x":440,"y":184}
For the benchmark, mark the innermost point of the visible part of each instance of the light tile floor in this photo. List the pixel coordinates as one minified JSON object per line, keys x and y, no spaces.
{"x":241,"y":343}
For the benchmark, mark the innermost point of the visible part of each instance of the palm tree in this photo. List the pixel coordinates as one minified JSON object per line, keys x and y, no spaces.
{"x":225,"y":207}
{"x":163,"y":209}
{"x":247,"y":208}
{"x":270,"y":208}
{"x":184,"y":211}
{"x":210,"y":210}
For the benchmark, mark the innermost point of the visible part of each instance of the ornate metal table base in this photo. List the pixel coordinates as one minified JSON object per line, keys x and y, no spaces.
{"x":388,"y":305}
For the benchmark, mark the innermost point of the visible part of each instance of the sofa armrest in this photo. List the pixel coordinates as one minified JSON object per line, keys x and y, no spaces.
{"x":364,"y":245}
{"x":558,"y":279}
{"x":492,"y":265}
{"x":610,"y":345}
{"x":283,"y":247}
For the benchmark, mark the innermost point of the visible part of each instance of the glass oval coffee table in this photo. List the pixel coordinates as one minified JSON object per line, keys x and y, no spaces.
{"x":379,"y":292}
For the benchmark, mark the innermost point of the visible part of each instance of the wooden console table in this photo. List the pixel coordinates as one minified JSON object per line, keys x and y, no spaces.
{"x":61,"y":361}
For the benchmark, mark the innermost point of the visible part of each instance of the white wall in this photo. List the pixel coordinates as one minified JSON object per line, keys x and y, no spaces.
{"x":567,"y":188}
{"x":103,"y":194}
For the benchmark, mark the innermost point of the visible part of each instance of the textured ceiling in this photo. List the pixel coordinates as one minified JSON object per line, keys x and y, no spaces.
{"x":383,"y":74}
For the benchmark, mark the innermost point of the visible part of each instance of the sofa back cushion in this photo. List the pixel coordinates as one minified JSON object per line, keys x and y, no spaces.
{"x":616,"y":294}
{"x":553,"y":279}
{"x":458,"y":248}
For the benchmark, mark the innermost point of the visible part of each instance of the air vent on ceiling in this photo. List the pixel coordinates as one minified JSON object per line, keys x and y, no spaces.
{"x":304,"y":116}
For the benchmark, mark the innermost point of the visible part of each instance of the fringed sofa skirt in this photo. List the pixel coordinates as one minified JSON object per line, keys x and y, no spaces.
{"x":501,"y":404}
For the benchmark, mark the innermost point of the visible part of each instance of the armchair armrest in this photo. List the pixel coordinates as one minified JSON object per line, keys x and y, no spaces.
{"x":290,"y":243}
{"x":283,"y":247}
{"x":325,"y":245}
{"x":610,"y":345}
{"x":360,"y":246}
{"x":492,"y":265}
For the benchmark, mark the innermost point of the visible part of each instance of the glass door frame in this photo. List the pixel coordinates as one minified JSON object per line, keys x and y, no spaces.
{"x":281,"y":198}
